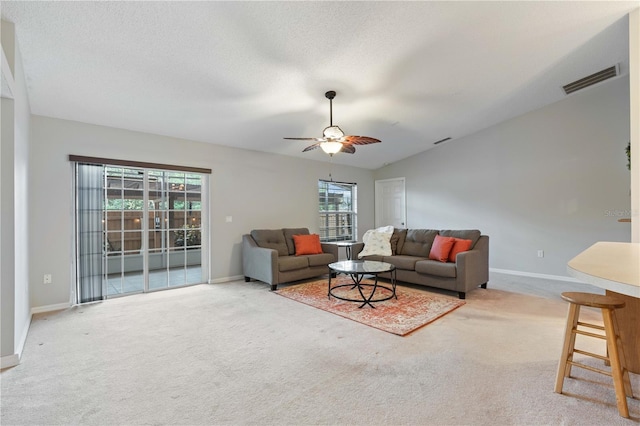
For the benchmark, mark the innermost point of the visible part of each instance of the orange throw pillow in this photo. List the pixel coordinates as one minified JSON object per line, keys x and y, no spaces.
{"x":307,"y":244}
{"x":441,"y":248}
{"x":459,"y":246}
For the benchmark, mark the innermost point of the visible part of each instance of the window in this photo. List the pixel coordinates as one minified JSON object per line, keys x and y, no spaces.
{"x":337,"y":211}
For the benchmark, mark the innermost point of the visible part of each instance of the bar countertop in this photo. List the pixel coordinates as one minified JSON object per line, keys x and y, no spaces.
{"x":610,"y":265}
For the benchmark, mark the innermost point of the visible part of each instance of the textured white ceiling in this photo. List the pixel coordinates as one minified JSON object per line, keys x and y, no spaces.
{"x":247,"y":74}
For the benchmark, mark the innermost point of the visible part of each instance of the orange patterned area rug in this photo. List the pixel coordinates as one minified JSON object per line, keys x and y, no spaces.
{"x":414,"y":308}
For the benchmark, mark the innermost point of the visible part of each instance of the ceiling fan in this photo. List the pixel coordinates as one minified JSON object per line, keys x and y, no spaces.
{"x":334,"y":139}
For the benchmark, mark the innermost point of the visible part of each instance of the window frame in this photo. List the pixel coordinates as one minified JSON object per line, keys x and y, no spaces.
{"x":335,"y":232}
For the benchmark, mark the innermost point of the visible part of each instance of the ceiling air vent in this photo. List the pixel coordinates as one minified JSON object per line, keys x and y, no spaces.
{"x":442,"y":140}
{"x":592,"y":79}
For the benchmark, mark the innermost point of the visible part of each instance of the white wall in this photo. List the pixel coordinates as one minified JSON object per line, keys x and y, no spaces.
{"x":15,"y":116}
{"x":554,"y":179}
{"x":21,"y":206}
{"x":257,"y":190}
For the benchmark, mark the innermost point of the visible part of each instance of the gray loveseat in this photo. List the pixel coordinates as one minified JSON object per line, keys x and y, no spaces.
{"x":268,"y":255}
{"x":410,"y":254}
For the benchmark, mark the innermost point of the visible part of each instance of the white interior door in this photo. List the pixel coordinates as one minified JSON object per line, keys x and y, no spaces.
{"x":390,"y":203}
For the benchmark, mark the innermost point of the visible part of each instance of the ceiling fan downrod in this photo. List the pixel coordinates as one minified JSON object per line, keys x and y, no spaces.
{"x":330,"y":95}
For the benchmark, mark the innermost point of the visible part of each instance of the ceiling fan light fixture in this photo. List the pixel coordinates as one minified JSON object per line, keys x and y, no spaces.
{"x":333,"y":132}
{"x":331,"y":147}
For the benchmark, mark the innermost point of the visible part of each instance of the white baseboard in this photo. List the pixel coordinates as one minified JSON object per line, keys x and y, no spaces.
{"x":535,"y":275}
{"x":49,"y":308}
{"x":13,"y":360}
{"x":23,"y":338}
{"x":9,"y":361}
{"x":226,"y":279}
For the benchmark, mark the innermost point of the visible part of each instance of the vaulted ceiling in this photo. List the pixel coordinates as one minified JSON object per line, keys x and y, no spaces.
{"x":247,"y":74}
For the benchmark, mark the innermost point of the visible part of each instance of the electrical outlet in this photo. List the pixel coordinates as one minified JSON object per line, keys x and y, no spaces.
{"x":540,"y":253}
{"x":47,"y":279}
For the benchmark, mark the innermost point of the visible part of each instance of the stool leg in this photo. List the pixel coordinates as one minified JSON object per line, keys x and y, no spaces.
{"x":616,"y":367}
{"x":623,"y":359}
{"x":564,"y":368}
{"x":622,"y":356}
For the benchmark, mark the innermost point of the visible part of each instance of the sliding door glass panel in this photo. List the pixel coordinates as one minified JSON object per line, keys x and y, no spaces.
{"x":179,"y":230}
{"x":158,"y":225}
{"x":194,"y":237}
{"x":124,"y":201}
{"x":174,"y":229}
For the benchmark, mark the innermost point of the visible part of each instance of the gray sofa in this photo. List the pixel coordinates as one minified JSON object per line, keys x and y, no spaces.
{"x":410,"y":254}
{"x":268,"y":255}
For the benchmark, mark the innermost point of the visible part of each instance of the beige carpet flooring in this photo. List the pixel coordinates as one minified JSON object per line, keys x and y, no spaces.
{"x":235,"y":353}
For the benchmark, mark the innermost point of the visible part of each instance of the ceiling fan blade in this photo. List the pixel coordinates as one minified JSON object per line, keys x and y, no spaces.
{"x":348,"y":149}
{"x":307,"y":139}
{"x":311,"y":147}
{"x":360,"y":140}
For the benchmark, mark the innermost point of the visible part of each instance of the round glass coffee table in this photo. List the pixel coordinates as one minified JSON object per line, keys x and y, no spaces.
{"x":357,"y":270}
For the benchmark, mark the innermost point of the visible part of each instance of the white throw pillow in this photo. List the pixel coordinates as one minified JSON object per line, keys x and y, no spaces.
{"x":376,"y":242}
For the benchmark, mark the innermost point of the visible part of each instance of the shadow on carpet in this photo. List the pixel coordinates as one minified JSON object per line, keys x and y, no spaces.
{"x":412,"y":309}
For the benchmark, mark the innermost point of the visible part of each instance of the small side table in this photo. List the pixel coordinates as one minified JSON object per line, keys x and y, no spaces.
{"x":347,"y":246}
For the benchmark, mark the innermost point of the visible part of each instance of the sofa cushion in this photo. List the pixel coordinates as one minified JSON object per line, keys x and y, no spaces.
{"x":397,"y":240}
{"x":465,"y":234}
{"x":291,"y":263}
{"x":271,"y":239}
{"x":320,"y":259}
{"x":434,"y":267}
{"x":418,"y":242}
{"x":441,"y":248}
{"x":307,"y":244}
{"x":375,"y":257}
{"x":407,"y":263}
{"x":288,"y":237}
{"x":459,"y":246}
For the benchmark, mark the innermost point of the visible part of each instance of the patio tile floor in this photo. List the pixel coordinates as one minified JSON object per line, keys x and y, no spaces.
{"x":133,"y":282}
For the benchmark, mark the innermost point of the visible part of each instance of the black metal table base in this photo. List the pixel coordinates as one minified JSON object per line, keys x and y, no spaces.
{"x":357,"y":283}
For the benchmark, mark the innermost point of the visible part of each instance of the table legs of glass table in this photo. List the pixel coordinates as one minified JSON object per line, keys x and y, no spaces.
{"x":357,"y":283}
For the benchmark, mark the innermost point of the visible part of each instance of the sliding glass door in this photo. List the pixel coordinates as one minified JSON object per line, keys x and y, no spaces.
{"x":175,"y":231}
{"x":149,"y":236}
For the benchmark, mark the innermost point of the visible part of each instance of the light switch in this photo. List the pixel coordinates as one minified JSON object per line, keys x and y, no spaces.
{"x":229,"y":219}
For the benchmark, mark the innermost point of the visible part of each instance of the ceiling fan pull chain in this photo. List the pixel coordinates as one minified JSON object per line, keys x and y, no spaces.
{"x":330,"y":168}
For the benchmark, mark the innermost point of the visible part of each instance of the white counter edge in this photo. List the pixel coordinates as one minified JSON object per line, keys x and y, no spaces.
{"x":615,"y":286}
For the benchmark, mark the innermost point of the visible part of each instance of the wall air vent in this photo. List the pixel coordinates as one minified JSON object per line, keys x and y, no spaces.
{"x":592,"y":79}
{"x":442,"y":140}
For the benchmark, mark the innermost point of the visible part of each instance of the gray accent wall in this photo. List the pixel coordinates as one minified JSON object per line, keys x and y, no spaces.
{"x":256,"y":189}
{"x":554,"y":179}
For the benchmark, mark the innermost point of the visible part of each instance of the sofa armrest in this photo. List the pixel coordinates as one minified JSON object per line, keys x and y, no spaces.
{"x":259,"y":263}
{"x":356,"y":248}
{"x":331,"y":249}
{"x":473,"y":265}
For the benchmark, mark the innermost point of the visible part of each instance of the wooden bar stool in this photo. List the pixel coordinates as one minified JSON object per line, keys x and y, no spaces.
{"x":615,"y":351}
